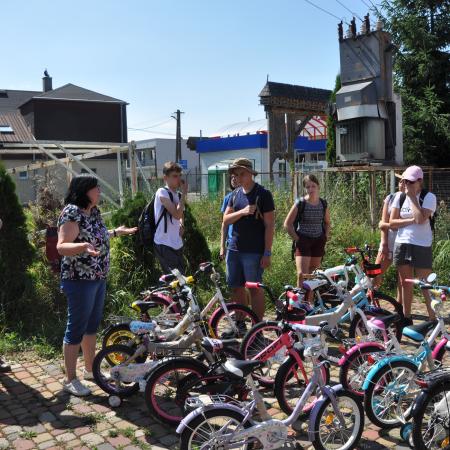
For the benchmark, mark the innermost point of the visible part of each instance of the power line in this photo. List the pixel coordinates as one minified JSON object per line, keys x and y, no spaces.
{"x":157,"y":124}
{"x":366,"y":4}
{"x":349,"y":10}
{"x":157,"y":132}
{"x":325,"y":11}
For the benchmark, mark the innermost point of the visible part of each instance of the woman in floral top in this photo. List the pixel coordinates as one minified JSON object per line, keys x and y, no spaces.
{"x":83,"y":241}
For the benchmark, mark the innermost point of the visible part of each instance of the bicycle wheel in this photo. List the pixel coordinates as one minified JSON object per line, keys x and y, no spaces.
{"x":389,"y":396}
{"x":353,"y":371}
{"x":163,"y":398}
{"x":259,"y":337}
{"x":386,"y":302}
{"x":120,"y":334}
{"x":329,"y":432}
{"x":430,"y":427}
{"x":358,"y":328}
{"x":291,"y":382}
{"x":206,"y":429}
{"x":101,"y":370}
{"x":242,"y":317}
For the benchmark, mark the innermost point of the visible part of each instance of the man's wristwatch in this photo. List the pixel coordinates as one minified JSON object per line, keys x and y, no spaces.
{"x":114,"y":233}
{"x":267,"y":253}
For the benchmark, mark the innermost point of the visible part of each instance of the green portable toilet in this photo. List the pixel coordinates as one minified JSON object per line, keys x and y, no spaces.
{"x":216,"y":177}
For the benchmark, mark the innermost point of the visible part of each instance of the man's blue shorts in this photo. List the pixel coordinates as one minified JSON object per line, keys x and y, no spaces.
{"x":85,"y":300}
{"x":242,"y":267}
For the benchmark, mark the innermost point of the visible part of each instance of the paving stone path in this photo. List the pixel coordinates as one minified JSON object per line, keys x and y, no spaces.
{"x":36,"y":414}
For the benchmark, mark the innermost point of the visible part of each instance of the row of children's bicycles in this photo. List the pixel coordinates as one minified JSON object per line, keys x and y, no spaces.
{"x":212,"y":387}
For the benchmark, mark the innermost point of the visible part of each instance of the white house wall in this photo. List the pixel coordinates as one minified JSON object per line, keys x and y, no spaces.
{"x":165,"y":151}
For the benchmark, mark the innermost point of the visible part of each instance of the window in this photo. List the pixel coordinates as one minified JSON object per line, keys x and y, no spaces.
{"x":142,"y":157}
{"x":6,"y":129}
{"x":23,"y":175}
{"x":85,"y":171}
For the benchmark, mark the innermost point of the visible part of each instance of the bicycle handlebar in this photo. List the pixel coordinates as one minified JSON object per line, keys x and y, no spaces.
{"x":253,"y":285}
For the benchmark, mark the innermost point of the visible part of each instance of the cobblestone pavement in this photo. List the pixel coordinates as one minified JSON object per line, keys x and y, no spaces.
{"x":36,"y":414}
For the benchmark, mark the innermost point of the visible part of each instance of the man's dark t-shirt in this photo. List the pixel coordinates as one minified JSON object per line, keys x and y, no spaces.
{"x":248,"y":231}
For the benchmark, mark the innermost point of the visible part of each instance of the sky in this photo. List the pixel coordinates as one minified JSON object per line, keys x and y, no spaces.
{"x":208,"y":58}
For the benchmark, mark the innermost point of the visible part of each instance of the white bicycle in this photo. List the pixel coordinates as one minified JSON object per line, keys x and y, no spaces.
{"x":336,"y":421}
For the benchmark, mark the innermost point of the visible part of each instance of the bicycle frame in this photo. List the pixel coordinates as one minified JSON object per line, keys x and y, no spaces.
{"x":285,"y":340}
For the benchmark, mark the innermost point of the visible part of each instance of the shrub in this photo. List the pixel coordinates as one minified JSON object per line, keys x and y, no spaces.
{"x":16,"y":252}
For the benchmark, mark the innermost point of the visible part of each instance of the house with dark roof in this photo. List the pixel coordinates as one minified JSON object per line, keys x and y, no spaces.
{"x":70,"y":115}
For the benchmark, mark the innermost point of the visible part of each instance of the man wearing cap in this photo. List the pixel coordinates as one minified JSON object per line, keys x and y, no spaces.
{"x":412,"y":214}
{"x":251,"y":211}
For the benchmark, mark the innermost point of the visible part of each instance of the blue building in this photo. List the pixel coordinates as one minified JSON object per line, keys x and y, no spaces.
{"x":250,"y":140}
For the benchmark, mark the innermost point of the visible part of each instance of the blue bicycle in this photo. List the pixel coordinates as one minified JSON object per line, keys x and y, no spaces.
{"x":391,"y":384}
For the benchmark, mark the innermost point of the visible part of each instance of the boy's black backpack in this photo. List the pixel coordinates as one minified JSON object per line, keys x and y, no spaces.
{"x":298,"y":217}
{"x":148,"y":224}
{"x":422,"y":195}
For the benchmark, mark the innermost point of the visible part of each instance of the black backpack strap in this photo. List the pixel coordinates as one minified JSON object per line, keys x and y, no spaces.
{"x":402,"y":199}
{"x":422,"y":195}
{"x":300,"y":208}
{"x":324,"y":206}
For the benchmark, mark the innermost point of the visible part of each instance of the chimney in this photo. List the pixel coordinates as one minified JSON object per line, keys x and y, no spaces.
{"x":46,"y":82}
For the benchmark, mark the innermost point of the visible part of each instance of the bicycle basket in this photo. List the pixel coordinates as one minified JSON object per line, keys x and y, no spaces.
{"x":371,"y":270}
{"x":289,"y":313}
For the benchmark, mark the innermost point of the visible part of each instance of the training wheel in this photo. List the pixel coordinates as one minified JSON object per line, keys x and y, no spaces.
{"x":114,"y":401}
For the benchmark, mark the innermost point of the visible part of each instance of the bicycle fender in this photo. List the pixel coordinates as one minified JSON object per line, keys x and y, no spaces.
{"x":356,"y":348}
{"x":193,"y":414}
{"x":217,"y":312}
{"x":329,"y":390}
{"x":422,"y":397}
{"x":167,"y":300}
{"x":373,"y":372}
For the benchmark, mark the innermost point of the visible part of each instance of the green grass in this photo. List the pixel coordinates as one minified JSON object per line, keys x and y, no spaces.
{"x":40,"y":315}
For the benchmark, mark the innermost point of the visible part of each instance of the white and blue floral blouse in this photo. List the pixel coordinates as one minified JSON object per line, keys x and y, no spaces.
{"x":92,"y":229}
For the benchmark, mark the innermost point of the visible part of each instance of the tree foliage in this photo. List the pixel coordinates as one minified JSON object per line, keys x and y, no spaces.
{"x":421,"y":32}
{"x":16,"y":252}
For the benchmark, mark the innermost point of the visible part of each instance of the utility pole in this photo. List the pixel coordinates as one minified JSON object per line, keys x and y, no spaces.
{"x":178,"y":138}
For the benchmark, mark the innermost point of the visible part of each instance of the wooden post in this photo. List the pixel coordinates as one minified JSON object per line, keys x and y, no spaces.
{"x":133,"y":171}
{"x":224,"y":184}
{"x":119,"y":173}
{"x":372,"y":199}
{"x":393,"y":187}
{"x":69,"y":172}
{"x":353,"y":186}
{"x":430,"y":180}
{"x":294,"y":186}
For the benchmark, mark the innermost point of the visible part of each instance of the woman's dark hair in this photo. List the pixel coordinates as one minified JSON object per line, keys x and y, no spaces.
{"x":78,"y":188}
{"x":311,"y":178}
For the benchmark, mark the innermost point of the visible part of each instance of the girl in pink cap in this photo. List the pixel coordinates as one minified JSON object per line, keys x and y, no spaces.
{"x":412,"y":213}
{"x":388,"y":235}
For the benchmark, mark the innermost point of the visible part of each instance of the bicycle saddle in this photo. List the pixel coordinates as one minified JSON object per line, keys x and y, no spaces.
{"x":417,"y":332}
{"x":389,"y":320}
{"x":242,"y":368}
{"x":143,"y":306}
{"x":215,"y":345}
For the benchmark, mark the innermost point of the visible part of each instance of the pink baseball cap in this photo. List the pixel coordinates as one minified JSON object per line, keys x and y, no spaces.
{"x":413,"y":173}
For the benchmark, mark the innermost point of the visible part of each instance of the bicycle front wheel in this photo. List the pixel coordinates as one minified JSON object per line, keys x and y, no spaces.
{"x":332,"y":433}
{"x":207,"y":430}
{"x":390,"y":394}
{"x":431,"y":424}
